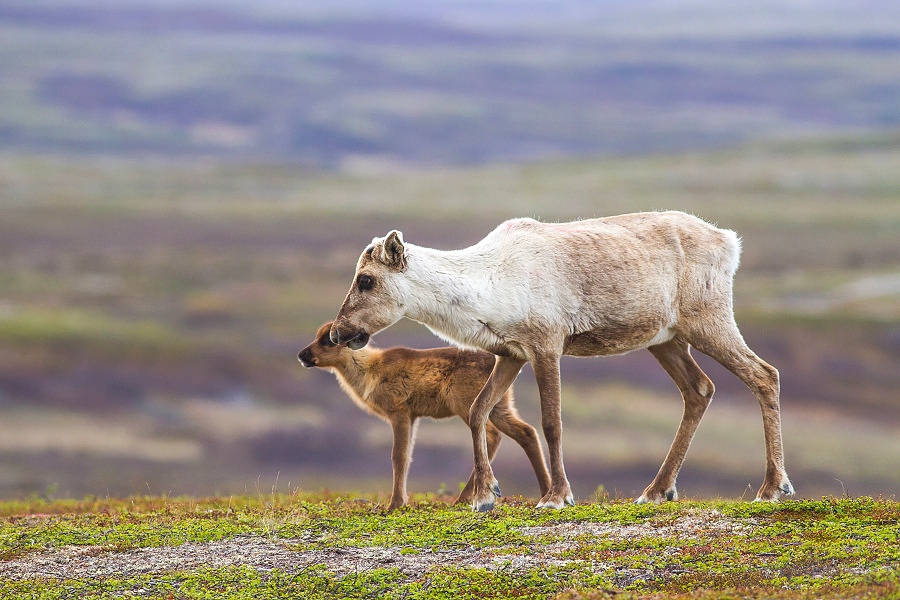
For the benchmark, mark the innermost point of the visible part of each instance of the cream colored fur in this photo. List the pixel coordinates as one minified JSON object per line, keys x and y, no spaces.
{"x":532,"y":291}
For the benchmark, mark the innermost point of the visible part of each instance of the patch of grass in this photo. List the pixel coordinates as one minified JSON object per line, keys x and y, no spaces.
{"x":90,"y":331}
{"x":831,"y":548}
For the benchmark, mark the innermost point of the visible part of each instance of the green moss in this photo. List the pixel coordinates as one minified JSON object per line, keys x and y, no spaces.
{"x":90,"y":330}
{"x":824,"y":549}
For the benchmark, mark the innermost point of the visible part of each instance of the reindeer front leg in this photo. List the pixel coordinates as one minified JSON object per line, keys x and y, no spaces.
{"x":404,"y":429}
{"x":546,"y":372}
{"x":493,"y":442}
{"x":487,"y":490}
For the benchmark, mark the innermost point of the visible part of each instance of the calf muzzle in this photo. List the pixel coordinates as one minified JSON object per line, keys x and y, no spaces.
{"x":306,"y":358}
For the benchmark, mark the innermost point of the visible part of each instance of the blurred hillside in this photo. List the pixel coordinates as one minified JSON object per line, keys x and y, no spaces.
{"x":151,"y":314}
{"x":185,"y":189}
{"x":386,"y":84}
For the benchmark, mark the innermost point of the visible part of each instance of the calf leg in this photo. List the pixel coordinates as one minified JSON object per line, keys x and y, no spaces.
{"x":506,"y":369}
{"x":493,"y":442}
{"x":507,"y":420}
{"x":546,"y":372}
{"x":729,"y":349}
{"x":696,"y":391}
{"x":404,"y":430}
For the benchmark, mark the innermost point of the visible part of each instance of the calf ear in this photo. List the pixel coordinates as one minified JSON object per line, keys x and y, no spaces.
{"x":392,"y":254}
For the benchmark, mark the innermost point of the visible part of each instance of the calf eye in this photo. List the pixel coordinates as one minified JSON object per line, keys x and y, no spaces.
{"x":326,"y":341}
{"x":365,"y":282}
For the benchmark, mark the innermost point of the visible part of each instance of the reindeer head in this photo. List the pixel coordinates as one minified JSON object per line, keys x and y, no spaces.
{"x":322,"y":352}
{"x":376,"y":297}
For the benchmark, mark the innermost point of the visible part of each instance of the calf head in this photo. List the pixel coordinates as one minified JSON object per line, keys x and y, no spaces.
{"x":322,"y":352}
{"x":375,"y":299}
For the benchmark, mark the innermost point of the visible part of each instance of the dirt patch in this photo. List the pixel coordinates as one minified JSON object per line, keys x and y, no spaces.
{"x":287,"y":555}
{"x":91,"y":562}
{"x":685,"y":527}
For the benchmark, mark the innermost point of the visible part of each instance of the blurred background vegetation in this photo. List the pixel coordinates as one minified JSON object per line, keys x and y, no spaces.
{"x":185,"y":189}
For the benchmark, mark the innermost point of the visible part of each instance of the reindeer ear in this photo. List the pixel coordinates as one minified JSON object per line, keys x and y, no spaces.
{"x":392,"y":254}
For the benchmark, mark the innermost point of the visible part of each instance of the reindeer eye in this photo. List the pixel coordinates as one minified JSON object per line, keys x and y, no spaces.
{"x":326,"y":341}
{"x":365,"y":282}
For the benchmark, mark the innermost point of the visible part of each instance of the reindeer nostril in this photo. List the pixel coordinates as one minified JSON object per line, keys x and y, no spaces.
{"x":306,"y":358}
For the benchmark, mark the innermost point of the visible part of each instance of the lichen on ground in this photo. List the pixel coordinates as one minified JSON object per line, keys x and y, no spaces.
{"x":322,"y":547}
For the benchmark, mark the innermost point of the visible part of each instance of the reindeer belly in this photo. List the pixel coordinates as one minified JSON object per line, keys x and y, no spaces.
{"x":617,"y":338}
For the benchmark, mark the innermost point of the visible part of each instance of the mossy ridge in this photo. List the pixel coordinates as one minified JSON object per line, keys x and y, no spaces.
{"x":428,"y":523}
{"x":830,"y":546}
{"x":314,"y":583}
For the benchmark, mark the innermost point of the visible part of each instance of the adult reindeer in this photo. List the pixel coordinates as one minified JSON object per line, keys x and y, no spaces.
{"x":531,"y":292}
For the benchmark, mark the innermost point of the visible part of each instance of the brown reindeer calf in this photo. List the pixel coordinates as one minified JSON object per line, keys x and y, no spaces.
{"x":400,"y":385}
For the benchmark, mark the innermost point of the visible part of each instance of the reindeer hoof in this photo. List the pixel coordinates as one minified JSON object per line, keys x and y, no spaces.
{"x":770,"y":494}
{"x":649,"y":497}
{"x":557,"y":502}
{"x":487,"y":504}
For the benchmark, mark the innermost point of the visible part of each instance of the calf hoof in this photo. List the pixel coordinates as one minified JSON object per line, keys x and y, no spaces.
{"x":464,"y":497}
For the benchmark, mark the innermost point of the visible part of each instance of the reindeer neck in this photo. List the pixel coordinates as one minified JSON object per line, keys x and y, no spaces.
{"x":450,"y":290}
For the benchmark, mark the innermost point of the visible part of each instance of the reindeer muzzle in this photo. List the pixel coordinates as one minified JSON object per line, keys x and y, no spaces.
{"x":354,"y":341}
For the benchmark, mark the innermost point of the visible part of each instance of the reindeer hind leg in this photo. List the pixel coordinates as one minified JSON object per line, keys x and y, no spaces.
{"x":729,"y":349}
{"x":696,"y":391}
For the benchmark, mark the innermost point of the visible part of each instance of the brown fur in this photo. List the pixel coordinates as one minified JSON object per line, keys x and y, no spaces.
{"x":401,"y":385}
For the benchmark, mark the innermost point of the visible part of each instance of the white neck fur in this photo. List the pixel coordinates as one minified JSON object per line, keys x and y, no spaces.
{"x":451,"y":293}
